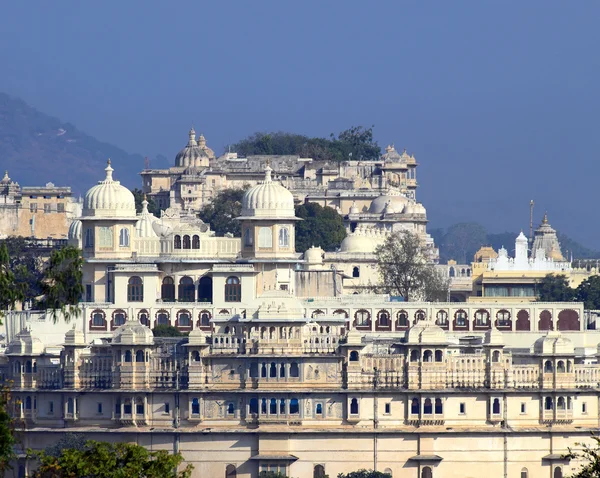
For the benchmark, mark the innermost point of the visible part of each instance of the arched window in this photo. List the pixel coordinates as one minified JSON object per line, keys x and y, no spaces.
{"x":548,"y":368}
{"x":254,"y":405}
{"x":144,"y":317}
{"x":427,"y":407}
{"x":98,"y":318}
{"x":414,"y":406}
{"x":319,"y":409}
{"x":441,"y":318}
{"x":127,"y":407}
{"x":167,"y":291}
{"x":273,"y":406}
{"x":354,"y":356}
{"x":187,"y":291}
{"x":196,"y":242}
{"x":70,"y":406}
{"x":233,"y":289}
{"x":439,"y":356}
{"x":496,"y":406}
{"x":195,"y":356}
{"x":383,"y":317}
{"x":524,"y":473}
{"x":28,"y":366}
{"x":195,"y":406}
{"x":294,"y":370}
{"x":89,"y":238}
{"x":426,"y":472}
{"x":139,"y":356}
{"x":230,"y":408}
{"x":428,"y":356}
{"x":135,"y":289}
{"x":452,"y":272}
{"x":186,"y":242}
{"x":354,"y":406}
{"x":177,"y":242}
{"x":503,"y":317}
{"x":548,"y":405}
{"x":273,"y":370}
{"x":560,"y":403}
{"x":319,"y":471}
{"x":363,"y":318}
{"x":461,"y":318}
{"x":558,"y":472}
{"x":355,"y":271}
{"x":128,"y":357}
{"x":204,"y":318}
{"x":284,"y":237}
{"x":496,"y":356}
{"x":139,"y":406}
{"x":265,"y":237}
{"x":184,"y":318}
{"x":414,"y":355}
{"x":248,"y":239}
{"x":230,"y":471}
{"x":482,"y":318}
{"x":419,"y":315}
{"x":28,"y":403}
{"x":205,"y":292}
{"x":162,"y":318}
{"x":560,"y":366}
{"x":439,"y":409}
{"x":124,"y":237}
{"x":402,"y":318}
{"x":118,"y":317}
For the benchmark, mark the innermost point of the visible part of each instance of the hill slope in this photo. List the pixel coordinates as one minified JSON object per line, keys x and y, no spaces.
{"x":36,"y":148}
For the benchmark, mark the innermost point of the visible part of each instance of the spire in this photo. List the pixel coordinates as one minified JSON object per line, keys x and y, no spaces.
{"x":5,"y":179}
{"x":545,"y":220}
{"x":201,"y":141}
{"x":268,"y":171}
{"x":109,"y":171}
{"x":145,"y":205}
{"x":192,"y":134}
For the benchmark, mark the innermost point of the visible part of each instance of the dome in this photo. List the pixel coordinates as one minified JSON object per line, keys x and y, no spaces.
{"x":268,"y":199}
{"x":397,"y":202}
{"x":192,"y":155}
{"x":202,"y":144}
{"x":75,"y":231}
{"x":358,"y":243}
{"x":314,"y":255}
{"x":133,"y":332}
{"x":109,"y":199}
{"x":354,"y":208}
{"x":553,"y":343}
{"x":144,"y":226}
{"x":426,"y":332}
{"x":420,"y":209}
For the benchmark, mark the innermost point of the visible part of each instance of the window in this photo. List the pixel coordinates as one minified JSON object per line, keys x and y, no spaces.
{"x":248,"y":239}
{"x":414,"y":406}
{"x":419,"y":315}
{"x":139,"y":356}
{"x":482,"y":318}
{"x":167,"y":291}
{"x":233,"y":290}
{"x":177,"y":242}
{"x":503,"y":317}
{"x":184,"y":318}
{"x":195,"y":406}
{"x":139,"y":407}
{"x":187,"y":290}
{"x":319,"y":471}
{"x":105,"y":236}
{"x":230,"y":471}
{"x":50,"y":408}
{"x":383,"y":318}
{"x":273,"y":406}
{"x":362,"y":318}
{"x":354,"y":406}
{"x":496,"y":407}
{"x":135,"y":289}
{"x":89,"y":238}
{"x":524,"y":473}
{"x":558,"y":472}
{"x":388,"y":408}
{"x":144,"y":317}
{"x":99,"y":408}
{"x":265,"y":237}
{"x":196,"y":242}
{"x":294,"y":370}
{"x":427,"y":407}
{"x":548,"y":405}
{"x":60,"y":207}
{"x":523,"y":408}
{"x":186,"y":242}
{"x":33,"y":207}
{"x":127,"y":408}
{"x":462,"y":409}
{"x":124,"y":237}
{"x":461,"y":318}
{"x":355,"y":272}
{"x":167,"y":407}
{"x":118,"y":318}
{"x":548,"y":368}
{"x":47,"y":208}
{"x":584,"y":407}
{"x":442,"y":317}
{"x":426,"y":472}
{"x":98,"y":319}
{"x":162,"y":318}
{"x":319,"y":409}
{"x":89,"y":297}
{"x":403,"y":318}
{"x":294,"y":406}
{"x":354,"y":356}
{"x":230,"y":408}
{"x":204,"y":318}
{"x":254,"y":405}
{"x":284,"y":237}
{"x":439,"y":408}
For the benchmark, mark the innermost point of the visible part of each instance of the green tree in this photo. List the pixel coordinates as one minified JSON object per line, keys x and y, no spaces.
{"x":27,"y":268}
{"x":588,"y":292}
{"x":462,"y":241}
{"x":590,"y":458}
{"x":110,"y":460}
{"x":222,"y":211}
{"x":405,"y":270}
{"x":10,"y":294}
{"x":271,"y":474}
{"x":167,"y":331}
{"x":61,"y":283}
{"x":7,"y":429}
{"x":555,"y":288}
{"x":321,"y":226}
{"x":364,"y":474}
{"x":139,"y":196}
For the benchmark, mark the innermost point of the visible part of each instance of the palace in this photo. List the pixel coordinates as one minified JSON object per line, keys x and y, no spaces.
{"x":283,"y":366}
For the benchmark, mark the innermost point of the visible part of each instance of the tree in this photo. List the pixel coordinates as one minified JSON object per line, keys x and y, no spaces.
{"x":7,"y":435}
{"x":462,"y":241}
{"x":555,"y":288}
{"x":321,"y":226}
{"x":364,"y":474}
{"x":588,"y":292}
{"x":167,"y":331}
{"x":110,"y":460}
{"x":10,"y":294}
{"x":222,"y":211}
{"x":139,"y":196}
{"x":26,"y":266}
{"x":590,"y":456}
{"x":271,"y":474}
{"x":61,"y":283}
{"x":404,"y":269}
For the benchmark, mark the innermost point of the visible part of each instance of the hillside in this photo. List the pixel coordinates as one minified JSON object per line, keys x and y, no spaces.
{"x":36,"y":148}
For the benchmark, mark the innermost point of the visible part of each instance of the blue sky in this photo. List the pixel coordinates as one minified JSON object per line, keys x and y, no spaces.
{"x":499,"y":101}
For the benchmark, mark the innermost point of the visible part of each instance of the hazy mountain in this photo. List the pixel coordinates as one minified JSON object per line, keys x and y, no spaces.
{"x":36,"y":148}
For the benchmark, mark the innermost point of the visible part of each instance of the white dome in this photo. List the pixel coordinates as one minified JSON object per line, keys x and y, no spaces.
{"x":75,"y":230}
{"x":553,"y":343}
{"x":109,"y":199}
{"x":354,"y":208}
{"x":268,"y":200}
{"x":397,"y":202}
{"x":426,"y":332}
{"x":144,"y":226}
{"x":314,"y":255}
{"x":192,"y":155}
{"x":133,"y":332}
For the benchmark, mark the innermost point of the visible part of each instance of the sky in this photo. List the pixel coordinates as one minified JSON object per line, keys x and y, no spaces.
{"x":499,"y":101}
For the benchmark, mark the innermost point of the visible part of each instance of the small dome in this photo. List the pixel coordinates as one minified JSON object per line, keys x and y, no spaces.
{"x":397,"y":202}
{"x":133,"y":332}
{"x":192,"y":155}
{"x":268,"y":199}
{"x":74,"y":235}
{"x":358,"y":243}
{"x":109,"y":199}
{"x":553,"y":343}
{"x":420,"y":209}
{"x":354,"y":208}
{"x":314,"y":255}
{"x":144,"y":226}
{"x":426,"y":332}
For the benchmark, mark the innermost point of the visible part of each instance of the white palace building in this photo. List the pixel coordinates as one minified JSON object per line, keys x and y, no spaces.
{"x":283,"y":367}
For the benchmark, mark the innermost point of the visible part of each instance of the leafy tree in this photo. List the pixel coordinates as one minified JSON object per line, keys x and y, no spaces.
{"x":364,"y":474}
{"x":321,"y":226}
{"x":138,"y":195}
{"x":462,"y":241}
{"x":588,"y":292}
{"x":72,"y":441}
{"x":10,"y":294}
{"x":222,"y":211}
{"x":7,"y":435}
{"x":404,"y":269}
{"x":555,"y":288}
{"x":271,"y":474}
{"x":590,"y":456}
{"x":61,"y":283}
{"x":110,"y":460}
{"x":26,"y":266}
{"x":167,"y":331}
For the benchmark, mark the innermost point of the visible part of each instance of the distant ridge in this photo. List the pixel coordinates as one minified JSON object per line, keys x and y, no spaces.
{"x":36,"y":148}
